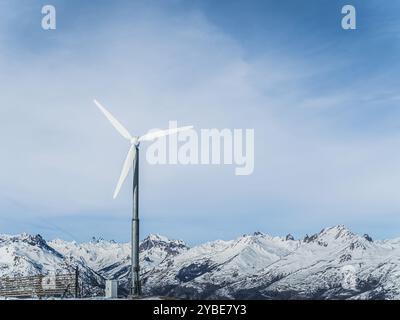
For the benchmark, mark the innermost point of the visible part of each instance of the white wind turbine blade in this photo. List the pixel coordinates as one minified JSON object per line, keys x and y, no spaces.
{"x":162,"y":133}
{"x":125,"y":169}
{"x":116,"y":124}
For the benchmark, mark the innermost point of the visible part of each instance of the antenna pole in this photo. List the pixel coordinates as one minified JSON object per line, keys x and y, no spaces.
{"x":135,"y":287}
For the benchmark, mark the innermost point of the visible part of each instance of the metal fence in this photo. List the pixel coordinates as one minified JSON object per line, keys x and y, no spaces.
{"x":41,"y":286}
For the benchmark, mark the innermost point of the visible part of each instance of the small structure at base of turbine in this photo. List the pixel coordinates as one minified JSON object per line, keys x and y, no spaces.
{"x":111,"y":289}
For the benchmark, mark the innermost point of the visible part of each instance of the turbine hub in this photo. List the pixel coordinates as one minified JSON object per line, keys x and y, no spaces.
{"x":135,"y":141}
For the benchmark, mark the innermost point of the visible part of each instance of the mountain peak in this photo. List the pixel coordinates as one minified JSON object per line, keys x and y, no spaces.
{"x":158,"y":241}
{"x":330,"y":235}
{"x":367,"y":237}
{"x":336,"y":232}
{"x":156,"y":237}
{"x":289,"y":237}
{"x":33,"y":240}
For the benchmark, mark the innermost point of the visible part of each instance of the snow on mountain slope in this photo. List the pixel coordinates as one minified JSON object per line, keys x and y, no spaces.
{"x":333,"y":264}
{"x":112,"y":260}
{"x":97,"y":254}
{"x":318,"y":268}
{"x":27,"y":255}
{"x":218,"y":263}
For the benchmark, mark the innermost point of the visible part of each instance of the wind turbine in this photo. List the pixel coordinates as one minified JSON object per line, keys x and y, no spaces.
{"x":132,"y":159}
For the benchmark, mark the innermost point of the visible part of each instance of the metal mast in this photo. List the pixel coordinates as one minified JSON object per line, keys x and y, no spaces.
{"x":135,"y":285}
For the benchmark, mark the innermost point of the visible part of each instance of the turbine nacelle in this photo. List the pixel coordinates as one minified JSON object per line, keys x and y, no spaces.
{"x":135,"y":141}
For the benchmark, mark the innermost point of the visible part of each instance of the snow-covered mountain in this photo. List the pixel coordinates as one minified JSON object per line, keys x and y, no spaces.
{"x":332,"y":264}
{"x":112,"y":260}
{"x":26,"y":255}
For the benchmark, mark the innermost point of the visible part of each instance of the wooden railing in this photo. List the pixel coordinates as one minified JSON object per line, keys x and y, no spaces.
{"x":40,"y":286}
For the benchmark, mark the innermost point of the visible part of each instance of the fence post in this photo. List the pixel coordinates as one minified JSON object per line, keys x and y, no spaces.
{"x":76,"y":282}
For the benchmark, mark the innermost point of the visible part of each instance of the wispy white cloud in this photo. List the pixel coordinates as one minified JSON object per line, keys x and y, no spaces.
{"x":62,"y":158}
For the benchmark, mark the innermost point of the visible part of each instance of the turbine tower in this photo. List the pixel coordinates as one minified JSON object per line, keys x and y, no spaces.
{"x":132,"y":159}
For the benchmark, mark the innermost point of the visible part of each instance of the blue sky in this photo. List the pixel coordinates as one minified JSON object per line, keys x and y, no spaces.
{"x":323,"y":102}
